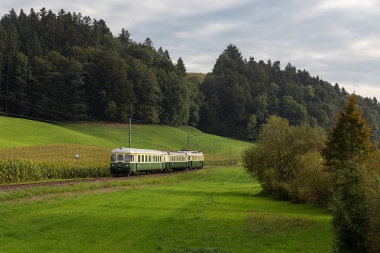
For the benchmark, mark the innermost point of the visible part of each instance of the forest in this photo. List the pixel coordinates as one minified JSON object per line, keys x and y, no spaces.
{"x":67,"y":67}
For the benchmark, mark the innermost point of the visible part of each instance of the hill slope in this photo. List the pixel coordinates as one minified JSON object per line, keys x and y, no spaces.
{"x":20,"y":133}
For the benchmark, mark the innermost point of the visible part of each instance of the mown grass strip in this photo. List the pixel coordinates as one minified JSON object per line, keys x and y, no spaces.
{"x":81,"y":187}
{"x":211,"y":210}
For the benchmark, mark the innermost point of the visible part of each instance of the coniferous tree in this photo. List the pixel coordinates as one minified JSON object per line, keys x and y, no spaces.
{"x":180,"y":66}
{"x":345,"y":152}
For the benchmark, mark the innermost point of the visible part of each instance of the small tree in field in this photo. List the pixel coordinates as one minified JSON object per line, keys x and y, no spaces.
{"x":274,"y":159}
{"x":345,"y":153}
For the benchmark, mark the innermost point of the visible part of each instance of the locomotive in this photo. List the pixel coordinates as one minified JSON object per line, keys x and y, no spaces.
{"x":131,"y":161}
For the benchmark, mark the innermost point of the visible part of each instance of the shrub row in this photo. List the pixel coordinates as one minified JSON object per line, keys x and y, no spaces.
{"x":220,"y":162}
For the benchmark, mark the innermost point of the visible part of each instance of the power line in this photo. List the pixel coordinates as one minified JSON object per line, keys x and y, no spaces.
{"x":40,"y":110}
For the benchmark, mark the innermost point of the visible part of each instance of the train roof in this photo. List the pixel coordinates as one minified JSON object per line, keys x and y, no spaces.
{"x":191,"y":152}
{"x":154,"y":152}
{"x":137,"y":151}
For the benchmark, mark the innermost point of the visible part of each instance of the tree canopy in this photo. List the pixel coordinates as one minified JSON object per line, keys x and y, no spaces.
{"x":67,"y":66}
{"x":72,"y":67}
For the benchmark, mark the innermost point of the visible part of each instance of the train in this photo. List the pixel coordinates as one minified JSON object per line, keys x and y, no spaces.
{"x":132,"y":161}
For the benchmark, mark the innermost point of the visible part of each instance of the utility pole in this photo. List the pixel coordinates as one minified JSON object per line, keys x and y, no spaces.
{"x":214,"y":152}
{"x":230,"y":155}
{"x":130,"y":132}
{"x":188,"y":141}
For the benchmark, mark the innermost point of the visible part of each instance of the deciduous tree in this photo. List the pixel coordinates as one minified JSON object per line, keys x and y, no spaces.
{"x":274,"y":158}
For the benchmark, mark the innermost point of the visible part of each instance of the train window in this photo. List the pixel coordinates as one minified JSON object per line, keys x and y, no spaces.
{"x":139,"y":158}
{"x":120,"y":157}
{"x":113,"y":158}
{"x":132,"y":158}
{"x":129,"y":158}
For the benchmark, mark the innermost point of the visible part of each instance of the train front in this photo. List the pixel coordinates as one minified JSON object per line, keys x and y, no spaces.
{"x":122,"y":162}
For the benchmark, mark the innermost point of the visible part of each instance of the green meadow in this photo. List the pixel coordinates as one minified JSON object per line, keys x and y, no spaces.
{"x":36,"y":151}
{"x":209,"y":210}
{"x":26,"y":133}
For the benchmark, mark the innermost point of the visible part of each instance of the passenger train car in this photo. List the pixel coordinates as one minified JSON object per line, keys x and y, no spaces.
{"x":131,"y":161}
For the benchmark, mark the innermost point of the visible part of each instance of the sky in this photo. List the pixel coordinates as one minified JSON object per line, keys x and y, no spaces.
{"x":336,"y":40}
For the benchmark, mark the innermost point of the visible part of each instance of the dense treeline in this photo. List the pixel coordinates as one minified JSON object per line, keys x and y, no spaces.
{"x":240,"y":95}
{"x":67,"y":66}
{"x":299,"y":164}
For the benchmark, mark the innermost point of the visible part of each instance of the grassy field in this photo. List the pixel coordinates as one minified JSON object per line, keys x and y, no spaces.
{"x":27,"y":133}
{"x":210,"y":210}
{"x":33,"y":151}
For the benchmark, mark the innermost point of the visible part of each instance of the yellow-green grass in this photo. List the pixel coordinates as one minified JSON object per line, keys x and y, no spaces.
{"x":210,"y":210}
{"x":31,"y":150}
{"x":199,"y":76}
{"x":21,"y":132}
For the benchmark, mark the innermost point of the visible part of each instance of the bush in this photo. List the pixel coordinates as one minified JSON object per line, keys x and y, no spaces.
{"x":312,"y":183}
{"x":275,"y":158}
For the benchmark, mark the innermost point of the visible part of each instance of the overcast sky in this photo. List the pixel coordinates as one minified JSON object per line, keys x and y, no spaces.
{"x":338,"y":40}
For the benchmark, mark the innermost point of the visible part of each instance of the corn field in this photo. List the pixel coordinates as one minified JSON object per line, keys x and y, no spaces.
{"x":17,"y":171}
{"x":39,"y":163}
{"x":62,"y":161}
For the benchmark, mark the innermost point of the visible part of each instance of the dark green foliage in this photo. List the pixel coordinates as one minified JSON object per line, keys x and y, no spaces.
{"x":237,"y":89}
{"x":345,"y":154}
{"x":349,"y":138}
{"x":72,"y":67}
{"x":349,"y":210}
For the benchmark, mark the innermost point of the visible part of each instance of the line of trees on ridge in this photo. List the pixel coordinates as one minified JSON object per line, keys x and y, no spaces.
{"x":66,"y":66}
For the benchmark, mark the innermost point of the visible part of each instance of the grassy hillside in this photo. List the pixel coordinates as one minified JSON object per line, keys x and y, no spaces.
{"x":28,"y":135}
{"x":199,"y":76}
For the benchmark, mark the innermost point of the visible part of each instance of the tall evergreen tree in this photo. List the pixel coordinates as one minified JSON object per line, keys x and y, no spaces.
{"x":180,"y":66}
{"x":345,"y":152}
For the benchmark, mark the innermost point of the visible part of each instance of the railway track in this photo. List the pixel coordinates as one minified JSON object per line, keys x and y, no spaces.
{"x":23,"y":186}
